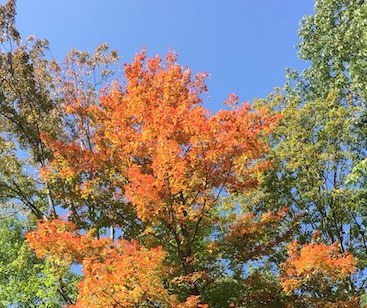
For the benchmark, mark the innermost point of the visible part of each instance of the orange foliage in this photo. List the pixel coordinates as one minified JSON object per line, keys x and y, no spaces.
{"x":57,"y":239}
{"x":312,"y":260}
{"x":127,"y":276}
{"x":155,"y":136}
{"x":151,"y":146}
{"x":192,"y":301}
{"x":316,"y":269}
{"x":123,"y":274}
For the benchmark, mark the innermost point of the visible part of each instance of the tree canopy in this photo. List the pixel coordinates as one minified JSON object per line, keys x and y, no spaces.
{"x":131,"y":193}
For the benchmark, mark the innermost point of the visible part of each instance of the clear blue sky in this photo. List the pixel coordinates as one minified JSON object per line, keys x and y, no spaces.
{"x":244,"y":45}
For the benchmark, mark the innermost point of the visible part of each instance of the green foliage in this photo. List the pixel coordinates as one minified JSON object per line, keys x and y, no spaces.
{"x":335,"y":41}
{"x":223,"y":292}
{"x":313,"y":152}
{"x":322,"y":137}
{"x":26,"y":281}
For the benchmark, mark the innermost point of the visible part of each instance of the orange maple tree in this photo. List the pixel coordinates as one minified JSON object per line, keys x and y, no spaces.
{"x":161,"y":148}
{"x":156,"y":159}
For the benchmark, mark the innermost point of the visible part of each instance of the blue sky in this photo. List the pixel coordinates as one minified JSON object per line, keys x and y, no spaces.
{"x":244,"y":45}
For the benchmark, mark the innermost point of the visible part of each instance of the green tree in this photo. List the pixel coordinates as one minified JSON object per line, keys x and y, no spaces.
{"x":321,"y":136}
{"x":25,"y":102}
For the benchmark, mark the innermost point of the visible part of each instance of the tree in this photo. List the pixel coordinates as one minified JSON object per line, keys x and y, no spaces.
{"x":156,"y":152}
{"x":25,"y":101}
{"x":314,"y":150}
{"x":321,"y":136}
{"x":169,"y":205}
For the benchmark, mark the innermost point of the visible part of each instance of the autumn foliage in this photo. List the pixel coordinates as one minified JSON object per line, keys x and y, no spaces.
{"x":161,"y":147}
{"x":155,"y":149}
{"x":147,"y":158}
{"x":316,"y":270}
{"x":122,"y":273}
{"x":119,"y":188}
